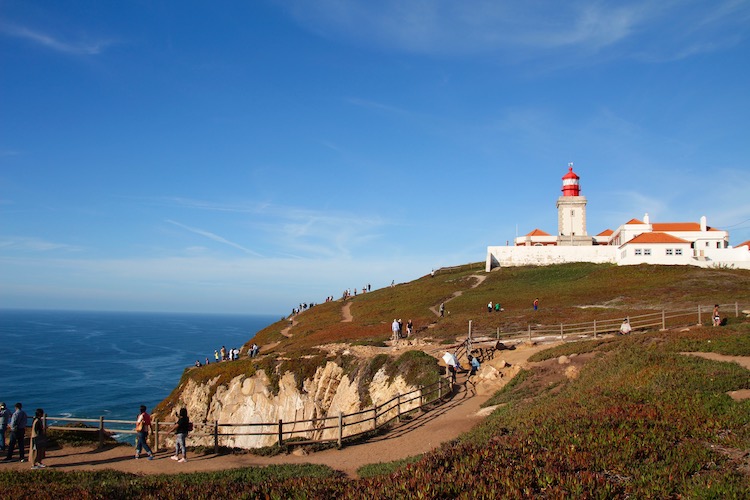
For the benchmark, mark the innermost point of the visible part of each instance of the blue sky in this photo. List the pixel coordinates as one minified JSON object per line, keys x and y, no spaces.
{"x":248,"y":156}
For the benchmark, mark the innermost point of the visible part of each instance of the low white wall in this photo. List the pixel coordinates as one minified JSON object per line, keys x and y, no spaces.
{"x":508,"y":256}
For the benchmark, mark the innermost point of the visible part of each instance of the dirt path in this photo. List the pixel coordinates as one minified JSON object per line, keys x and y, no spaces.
{"x":411,"y":438}
{"x":285,"y":331}
{"x":480,"y":279}
{"x":346,"y":313}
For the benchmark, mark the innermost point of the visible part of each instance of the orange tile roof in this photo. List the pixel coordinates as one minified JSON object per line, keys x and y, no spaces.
{"x":745,"y":244}
{"x":634,"y":221}
{"x":538,"y":232}
{"x":656,"y":238}
{"x":678,"y":226}
{"x":606,"y":232}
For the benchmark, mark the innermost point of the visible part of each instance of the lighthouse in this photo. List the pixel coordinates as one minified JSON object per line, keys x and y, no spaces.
{"x":571,"y":212}
{"x":571,"y":183}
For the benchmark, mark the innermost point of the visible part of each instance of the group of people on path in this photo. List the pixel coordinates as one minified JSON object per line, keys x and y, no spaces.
{"x":225,"y":354}
{"x":397,"y":328}
{"x":16,"y":422}
{"x":180,"y":429}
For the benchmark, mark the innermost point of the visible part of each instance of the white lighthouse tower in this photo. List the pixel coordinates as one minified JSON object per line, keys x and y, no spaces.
{"x":571,"y":212}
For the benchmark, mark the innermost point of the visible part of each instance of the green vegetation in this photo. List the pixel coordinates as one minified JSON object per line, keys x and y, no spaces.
{"x":641,"y":420}
{"x":569,"y":293}
{"x":234,"y":483}
{"x":386,"y":468}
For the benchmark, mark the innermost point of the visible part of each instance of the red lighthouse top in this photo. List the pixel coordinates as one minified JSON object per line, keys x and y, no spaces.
{"x":570,"y":180}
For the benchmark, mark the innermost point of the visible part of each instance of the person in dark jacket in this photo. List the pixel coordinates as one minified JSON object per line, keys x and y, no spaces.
{"x":18,"y":423}
{"x":181,"y":429}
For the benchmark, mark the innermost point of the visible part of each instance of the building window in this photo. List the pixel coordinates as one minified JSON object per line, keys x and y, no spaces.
{"x":646,"y":251}
{"x":669,"y":251}
{"x":678,"y":251}
{"x":638,"y":251}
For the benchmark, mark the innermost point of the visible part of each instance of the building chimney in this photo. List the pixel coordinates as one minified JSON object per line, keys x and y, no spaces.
{"x":645,"y":219}
{"x":703,"y":223}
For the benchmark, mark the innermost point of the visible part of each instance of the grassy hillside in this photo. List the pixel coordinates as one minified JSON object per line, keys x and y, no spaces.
{"x":564,"y":291}
{"x":638,"y":419}
{"x":641,"y":420}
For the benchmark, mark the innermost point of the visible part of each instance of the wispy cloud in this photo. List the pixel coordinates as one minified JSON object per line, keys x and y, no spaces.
{"x":528,"y":29}
{"x":27,"y":244}
{"x":214,"y":237}
{"x":293,"y":230}
{"x":52,"y":42}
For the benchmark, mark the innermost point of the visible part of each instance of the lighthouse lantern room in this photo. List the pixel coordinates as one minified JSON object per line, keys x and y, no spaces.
{"x":571,"y":183}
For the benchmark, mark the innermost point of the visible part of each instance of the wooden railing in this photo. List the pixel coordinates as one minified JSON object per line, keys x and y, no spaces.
{"x":573,"y":331}
{"x":341,"y":427}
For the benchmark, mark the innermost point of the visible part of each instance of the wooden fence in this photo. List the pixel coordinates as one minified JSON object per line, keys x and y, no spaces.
{"x":340,"y":428}
{"x":350,"y":426}
{"x":478,"y":340}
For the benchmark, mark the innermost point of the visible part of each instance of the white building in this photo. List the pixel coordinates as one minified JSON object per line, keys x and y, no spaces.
{"x":635,"y":242}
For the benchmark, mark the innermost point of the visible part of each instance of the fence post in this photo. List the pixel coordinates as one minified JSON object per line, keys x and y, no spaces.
{"x":699,"y":314}
{"x":341,"y":428}
{"x":156,"y":434}
{"x":498,"y":333}
{"x":281,"y":429}
{"x":663,"y":319}
{"x":398,"y":403}
{"x":594,"y":328}
{"x":375,"y":418}
{"x":529,"y":332}
{"x":562,"y":335}
{"x":216,"y":437}
{"x":736,"y":310}
{"x":421,"y":396}
{"x":468,"y":343}
{"x":440,"y":388}
{"x":101,"y":432}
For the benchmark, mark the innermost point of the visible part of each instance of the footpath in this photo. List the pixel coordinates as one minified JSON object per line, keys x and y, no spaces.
{"x":414,"y":437}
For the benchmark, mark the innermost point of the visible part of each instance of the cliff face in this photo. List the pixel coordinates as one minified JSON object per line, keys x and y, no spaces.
{"x":249,"y":400}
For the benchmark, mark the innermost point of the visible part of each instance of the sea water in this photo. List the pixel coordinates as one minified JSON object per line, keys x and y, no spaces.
{"x":93,"y":364}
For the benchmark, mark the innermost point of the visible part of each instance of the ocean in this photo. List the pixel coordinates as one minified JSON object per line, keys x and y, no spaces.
{"x":92,"y":364}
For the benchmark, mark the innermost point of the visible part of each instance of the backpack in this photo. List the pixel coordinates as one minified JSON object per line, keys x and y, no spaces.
{"x":190,"y":427}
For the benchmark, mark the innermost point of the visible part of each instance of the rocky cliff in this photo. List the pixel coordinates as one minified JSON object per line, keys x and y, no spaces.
{"x":250,"y":400}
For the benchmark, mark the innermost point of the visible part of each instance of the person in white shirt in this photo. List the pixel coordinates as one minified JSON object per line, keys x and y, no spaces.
{"x":625,"y":327}
{"x":395,"y":328}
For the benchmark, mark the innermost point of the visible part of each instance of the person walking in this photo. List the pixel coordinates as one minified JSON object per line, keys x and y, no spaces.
{"x":5,"y":415}
{"x":536,"y":304}
{"x":17,"y":425}
{"x":181,"y":429}
{"x":442,"y":309}
{"x":38,"y":440}
{"x":142,"y":428}
{"x":474,"y":362}
{"x":395,"y":328}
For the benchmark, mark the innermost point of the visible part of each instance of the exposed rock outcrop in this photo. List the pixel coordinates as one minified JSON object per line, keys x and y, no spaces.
{"x":250,"y":400}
